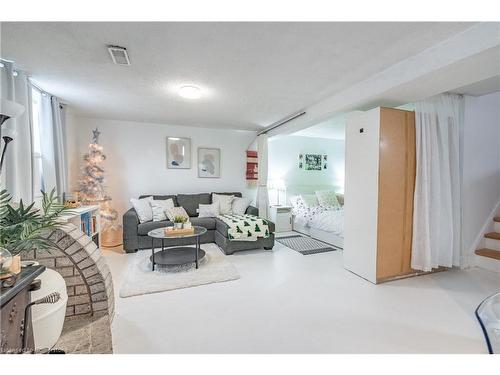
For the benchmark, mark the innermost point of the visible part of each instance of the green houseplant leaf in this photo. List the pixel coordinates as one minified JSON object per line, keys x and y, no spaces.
{"x":24,"y":228}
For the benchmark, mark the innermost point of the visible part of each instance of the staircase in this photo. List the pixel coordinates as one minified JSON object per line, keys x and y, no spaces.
{"x":489,"y":256}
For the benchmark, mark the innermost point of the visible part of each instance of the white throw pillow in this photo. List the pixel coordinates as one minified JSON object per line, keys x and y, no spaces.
{"x":143,"y":208}
{"x":309,"y":200}
{"x":224,"y":201}
{"x":159,"y":208}
{"x":176,"y":211}
{"x":295,"y":201}
{"x":327,"y":198}
{"x":240,"y":205}
{"x":208,"y":210}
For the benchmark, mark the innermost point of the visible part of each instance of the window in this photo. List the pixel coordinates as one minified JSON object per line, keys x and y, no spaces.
{"x":36,"y":133}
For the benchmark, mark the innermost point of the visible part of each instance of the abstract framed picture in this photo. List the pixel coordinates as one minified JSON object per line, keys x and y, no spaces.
{"x":208,"y":162}
{"x":313,"y":162}
{"x":178,"y":153}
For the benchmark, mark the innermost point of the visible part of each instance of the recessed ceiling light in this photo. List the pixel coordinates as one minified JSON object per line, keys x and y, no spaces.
{"x":190,"y":92}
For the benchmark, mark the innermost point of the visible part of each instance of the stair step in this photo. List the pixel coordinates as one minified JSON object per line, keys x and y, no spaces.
{"x":489,"y":253}
{"x":493,"y":235}
{"x":497,"y":219}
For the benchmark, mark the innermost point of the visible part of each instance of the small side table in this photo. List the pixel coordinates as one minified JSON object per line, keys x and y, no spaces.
{"x":282,"y":218}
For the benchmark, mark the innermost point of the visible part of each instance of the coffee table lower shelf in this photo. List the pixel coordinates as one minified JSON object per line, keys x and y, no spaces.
{"x":176,"y":256}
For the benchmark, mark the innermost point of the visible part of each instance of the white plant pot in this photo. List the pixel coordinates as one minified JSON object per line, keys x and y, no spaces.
{"x":48,"y":319}
{"x":178,"y":225}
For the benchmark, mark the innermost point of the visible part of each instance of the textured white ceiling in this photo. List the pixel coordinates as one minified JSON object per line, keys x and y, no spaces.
{"x":253,"y":74}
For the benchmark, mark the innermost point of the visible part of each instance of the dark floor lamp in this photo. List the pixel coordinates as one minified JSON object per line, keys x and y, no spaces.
{"x":8,"y":110}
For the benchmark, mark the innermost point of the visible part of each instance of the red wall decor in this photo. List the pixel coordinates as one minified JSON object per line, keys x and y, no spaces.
{"x":252,"y":166}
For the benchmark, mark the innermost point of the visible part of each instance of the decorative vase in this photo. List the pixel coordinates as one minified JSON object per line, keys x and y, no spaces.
{"x":178,"y":225}
{"x":5,"y":261}
{"x":10,"y":267}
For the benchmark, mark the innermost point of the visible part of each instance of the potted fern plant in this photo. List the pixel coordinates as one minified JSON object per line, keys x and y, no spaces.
{"x":24,"y":228}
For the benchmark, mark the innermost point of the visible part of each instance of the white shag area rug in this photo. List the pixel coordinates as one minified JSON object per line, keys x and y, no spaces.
{"x":140,"y":279}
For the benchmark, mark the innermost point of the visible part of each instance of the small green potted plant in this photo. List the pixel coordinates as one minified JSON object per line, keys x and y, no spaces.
{"x":24,"y":228}
{"x":179,"y":221}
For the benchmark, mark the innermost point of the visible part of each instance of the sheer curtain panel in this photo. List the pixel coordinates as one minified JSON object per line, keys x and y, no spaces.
{"x":262,"y":193}
{"x":436,"y":216}
{"x":17,"y":175}
{"x":60,"y":160}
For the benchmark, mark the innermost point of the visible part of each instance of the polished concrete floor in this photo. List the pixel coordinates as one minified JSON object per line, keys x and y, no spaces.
{"x":285,"y":302}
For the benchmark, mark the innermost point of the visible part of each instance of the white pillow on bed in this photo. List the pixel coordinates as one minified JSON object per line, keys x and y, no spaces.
{"x":294,"y":201}
{"x":327,"y":198}
{"x":309,"y":200}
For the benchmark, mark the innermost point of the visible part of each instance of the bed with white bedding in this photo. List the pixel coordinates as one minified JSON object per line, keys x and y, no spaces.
{"x":324,"y":222}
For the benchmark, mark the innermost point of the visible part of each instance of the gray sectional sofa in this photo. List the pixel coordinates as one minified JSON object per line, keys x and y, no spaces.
{"x":135,"y":234}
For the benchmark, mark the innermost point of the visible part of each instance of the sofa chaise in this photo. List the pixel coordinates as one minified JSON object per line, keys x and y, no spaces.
{"x":135,"y":234}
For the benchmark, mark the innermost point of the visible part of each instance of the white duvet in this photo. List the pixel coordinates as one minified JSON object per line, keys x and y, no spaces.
{"x":329,"y":221}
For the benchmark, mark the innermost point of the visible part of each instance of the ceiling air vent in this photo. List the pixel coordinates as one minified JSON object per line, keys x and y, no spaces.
{"x":119,"y":55}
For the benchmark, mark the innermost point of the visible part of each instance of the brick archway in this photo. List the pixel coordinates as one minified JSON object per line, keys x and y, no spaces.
{"x":88,"y":279}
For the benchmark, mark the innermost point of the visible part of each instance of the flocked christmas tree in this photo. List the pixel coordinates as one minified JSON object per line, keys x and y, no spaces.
{"x":92,"y":189}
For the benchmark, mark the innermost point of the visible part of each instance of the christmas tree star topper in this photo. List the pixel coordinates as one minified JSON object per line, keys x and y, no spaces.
{"x":95,"y":135}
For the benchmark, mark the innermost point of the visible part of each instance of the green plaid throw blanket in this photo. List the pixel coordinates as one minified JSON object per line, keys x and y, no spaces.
{"x":245,"y":227}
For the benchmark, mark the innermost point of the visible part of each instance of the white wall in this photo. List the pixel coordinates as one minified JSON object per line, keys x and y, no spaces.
{"x":481,"y":164}
{"x":361,"y":196}
{"x":136,"y":158}
{"x":284,"y":161}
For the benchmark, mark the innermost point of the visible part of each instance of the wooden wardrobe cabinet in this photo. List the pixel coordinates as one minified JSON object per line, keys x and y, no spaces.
{"x":379,"y":187}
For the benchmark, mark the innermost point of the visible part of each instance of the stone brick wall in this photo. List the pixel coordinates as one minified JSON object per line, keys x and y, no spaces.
{"x":81,"y":263}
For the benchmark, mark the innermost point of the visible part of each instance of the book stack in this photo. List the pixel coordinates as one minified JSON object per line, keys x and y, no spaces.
{"x":89,"y":223}
{"x":86,"y":223}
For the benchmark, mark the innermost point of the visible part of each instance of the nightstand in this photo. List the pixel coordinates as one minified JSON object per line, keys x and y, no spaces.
{"x":281,"y":216}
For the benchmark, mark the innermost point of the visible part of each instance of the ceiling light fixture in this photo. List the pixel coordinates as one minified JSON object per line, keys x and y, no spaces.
{"x":190,"y":92}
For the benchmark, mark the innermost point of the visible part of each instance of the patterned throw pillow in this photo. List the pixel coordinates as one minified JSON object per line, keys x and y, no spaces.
{"x":327,"y":198}
{"x":240,"y":205}
{"x":159,"y":208}
{"x":224,"y":201}
{"x":309,"y":200}
{"x":176,"y":211}
{"x":143,"y":208}
{"x":208,"y":210}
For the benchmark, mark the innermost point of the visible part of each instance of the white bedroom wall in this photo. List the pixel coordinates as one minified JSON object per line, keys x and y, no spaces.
{"x":284,"y":161}
{"x":481,"y":164}
{"x":136,"y":158}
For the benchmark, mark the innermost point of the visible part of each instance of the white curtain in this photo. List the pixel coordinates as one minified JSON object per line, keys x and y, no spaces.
{"x":60,"y":158}
{"x":262,"y":193}
{"x":47,"y":143}
{"x":437,"y":216}
{"x":17,"y":176}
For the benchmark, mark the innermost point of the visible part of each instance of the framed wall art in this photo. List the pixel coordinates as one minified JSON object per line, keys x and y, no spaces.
{"x":178,"y":153}
{"x":313,"y":162}
{"x":208,"y":162}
